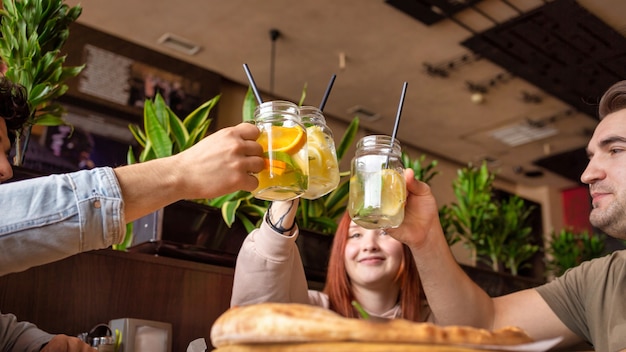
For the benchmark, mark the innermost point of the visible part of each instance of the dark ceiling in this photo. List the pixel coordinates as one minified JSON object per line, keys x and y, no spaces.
{"x":559,"y":47}
{"x":567,"y":52}
{"x":431,"y":11}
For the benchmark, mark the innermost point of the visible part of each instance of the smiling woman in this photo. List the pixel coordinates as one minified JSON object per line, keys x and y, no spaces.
{"x":365,"y":265}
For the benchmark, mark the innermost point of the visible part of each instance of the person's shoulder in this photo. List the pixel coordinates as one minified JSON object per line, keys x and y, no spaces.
{"x":599,"y":266}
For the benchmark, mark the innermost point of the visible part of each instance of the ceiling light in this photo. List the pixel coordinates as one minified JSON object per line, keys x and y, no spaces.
{"x":177,"y":43}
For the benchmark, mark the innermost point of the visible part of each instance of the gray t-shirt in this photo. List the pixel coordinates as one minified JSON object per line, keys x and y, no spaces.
{"x":590,"y":300}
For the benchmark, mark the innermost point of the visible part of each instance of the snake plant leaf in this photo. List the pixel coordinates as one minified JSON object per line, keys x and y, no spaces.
{"x":197,"y":134}
{"x":303,"y":94}
{"x":336,"y":200}
{"x":228,"y":211}
{"x":148,"y":152}
{"x":130,"y":156}
{"x":303,"y":212}
{"x":178,"y":130}
{"x":315,"y":209}
{"x":348,"y":138}
{"x":247,"y":223}
{"x":157,"y":134}
{"x":219,"y":201}
{"x":140,"y":137}
{"x":253,"y":209}
{"x":197,"y":118}
{"x":249,"y":106}
{"x":160,"y":110}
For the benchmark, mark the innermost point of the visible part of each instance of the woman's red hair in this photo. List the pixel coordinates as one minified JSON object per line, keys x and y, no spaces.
{"x":338,"y":284}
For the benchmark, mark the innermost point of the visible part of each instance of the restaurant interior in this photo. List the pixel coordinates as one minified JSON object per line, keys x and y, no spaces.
{"x":513,"y":84}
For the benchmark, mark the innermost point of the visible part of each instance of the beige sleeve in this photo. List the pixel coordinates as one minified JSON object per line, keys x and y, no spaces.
{"x":269,"y":269}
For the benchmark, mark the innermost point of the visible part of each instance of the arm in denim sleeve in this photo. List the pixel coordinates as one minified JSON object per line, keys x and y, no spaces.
{"x":20,"y":336}
{"x":50,"y":218}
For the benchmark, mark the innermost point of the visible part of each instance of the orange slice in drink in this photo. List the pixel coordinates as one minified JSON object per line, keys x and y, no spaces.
{"x":276,"y":167}
{"x":283,"y":139}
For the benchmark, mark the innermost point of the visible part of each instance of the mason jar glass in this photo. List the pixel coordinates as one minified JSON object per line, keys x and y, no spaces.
{"x":284,"y":141}
{"x":323,"y":166}
{"x":377,"y":186}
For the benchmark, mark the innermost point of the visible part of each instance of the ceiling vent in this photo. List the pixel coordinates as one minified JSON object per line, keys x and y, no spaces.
{"x":515,"y":135}
{"x":180,"y":44}
{"x":364,"y":113}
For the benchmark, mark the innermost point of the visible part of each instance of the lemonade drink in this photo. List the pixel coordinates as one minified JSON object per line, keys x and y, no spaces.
{"x":323,"y":166}
{"x":377,"y":186}
{"x":284,"y":140}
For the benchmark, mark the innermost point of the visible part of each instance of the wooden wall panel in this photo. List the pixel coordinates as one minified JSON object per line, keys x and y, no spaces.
{"x":73,"y":295}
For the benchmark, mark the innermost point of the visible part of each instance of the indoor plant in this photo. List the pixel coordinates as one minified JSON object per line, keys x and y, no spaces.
{"x":496,"y":231}
{"x":569,"y":248}
{"x":33,"y":32}
{"x":165,"y":134}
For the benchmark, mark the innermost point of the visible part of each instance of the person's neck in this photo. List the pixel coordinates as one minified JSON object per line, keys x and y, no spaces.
{"x":377,"y":302}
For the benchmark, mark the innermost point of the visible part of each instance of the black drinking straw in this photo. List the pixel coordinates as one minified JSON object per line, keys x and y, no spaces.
{"x":325,"y":97}
{"x":395,"y":126}
{"x":397,"y":123}
{"x":252,"y":84}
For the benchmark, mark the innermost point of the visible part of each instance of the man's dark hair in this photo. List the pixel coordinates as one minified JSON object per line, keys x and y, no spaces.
{"x":614,"y":99}
{"x":13,"y":106}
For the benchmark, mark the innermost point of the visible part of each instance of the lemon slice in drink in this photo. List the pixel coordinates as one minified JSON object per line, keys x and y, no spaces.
{"x":284,"y":139}
{"x":394,"y":194}
{"x":316,"y":142}
{"x":316,"y":135}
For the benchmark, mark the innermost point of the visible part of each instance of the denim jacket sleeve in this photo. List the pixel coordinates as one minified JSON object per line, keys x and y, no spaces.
{"x":49,"y":218}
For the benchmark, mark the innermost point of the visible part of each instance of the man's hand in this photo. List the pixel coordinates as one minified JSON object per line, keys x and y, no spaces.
{"x":64,"y":343}
{"x":421,"y":215}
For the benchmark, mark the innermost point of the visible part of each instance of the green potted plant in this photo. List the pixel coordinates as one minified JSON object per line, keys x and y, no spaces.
{"x":33,"y":33}
{"x":496,"y":232}
{"x":164,"y":134}
{"x":422,"y":171}
{"x":568,"y":248}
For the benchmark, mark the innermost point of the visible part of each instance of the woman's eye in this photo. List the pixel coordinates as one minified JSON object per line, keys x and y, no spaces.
{"x":354,"y":235}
